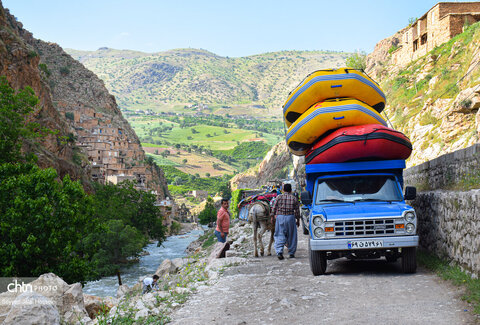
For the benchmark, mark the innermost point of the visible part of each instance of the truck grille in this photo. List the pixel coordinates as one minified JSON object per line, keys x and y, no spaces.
{"x":362,"y":228}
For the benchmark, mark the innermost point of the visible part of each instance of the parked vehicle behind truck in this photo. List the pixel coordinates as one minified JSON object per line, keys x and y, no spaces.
{"x":357,"y":210}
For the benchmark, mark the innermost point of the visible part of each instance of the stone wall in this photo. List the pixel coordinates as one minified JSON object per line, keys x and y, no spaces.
{"x":449,"y":221}
{"x":448,"y":225}
{"x":445,"y":171}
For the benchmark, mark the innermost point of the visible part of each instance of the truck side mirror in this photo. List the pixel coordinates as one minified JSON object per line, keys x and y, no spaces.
{"x":306,"y":198}
{"x":410,"y":193}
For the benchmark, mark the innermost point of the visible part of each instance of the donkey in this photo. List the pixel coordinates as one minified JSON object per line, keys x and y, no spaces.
{"x":259,"y":216}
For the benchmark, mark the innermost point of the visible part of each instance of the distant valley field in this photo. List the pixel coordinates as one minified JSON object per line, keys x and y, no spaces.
{"x":200,"y":116}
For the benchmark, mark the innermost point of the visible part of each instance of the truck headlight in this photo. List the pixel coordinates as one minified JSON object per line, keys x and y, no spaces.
{"x":410,"y":216}
{"x":410,"y":228}
{"x":318,"y":220}
{"x":318,"y":232}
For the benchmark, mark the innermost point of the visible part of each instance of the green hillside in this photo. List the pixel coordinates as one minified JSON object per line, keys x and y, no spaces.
{"x":159,"y":81}
{"x":435,"y":99}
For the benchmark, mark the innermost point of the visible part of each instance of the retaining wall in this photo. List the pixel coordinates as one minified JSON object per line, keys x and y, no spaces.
{"x":449,"y":221}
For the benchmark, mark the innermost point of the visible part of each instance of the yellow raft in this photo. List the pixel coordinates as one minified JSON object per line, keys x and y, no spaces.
{"x":325,"y":84}
{"x":325,"y":116}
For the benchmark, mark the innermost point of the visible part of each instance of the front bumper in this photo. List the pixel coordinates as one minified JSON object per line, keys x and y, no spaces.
{"x":342,"y":244}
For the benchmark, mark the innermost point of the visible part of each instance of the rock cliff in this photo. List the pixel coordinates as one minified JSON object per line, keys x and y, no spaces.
{"x":94,"y":139}
{"x":435,"y":99}
{"x":19,"y":62}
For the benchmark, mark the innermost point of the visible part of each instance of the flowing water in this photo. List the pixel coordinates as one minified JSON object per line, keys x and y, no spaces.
{"x":172,"y":247}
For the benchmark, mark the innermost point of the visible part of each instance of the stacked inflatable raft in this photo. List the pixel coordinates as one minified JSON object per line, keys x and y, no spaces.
{"x":334,"y":116}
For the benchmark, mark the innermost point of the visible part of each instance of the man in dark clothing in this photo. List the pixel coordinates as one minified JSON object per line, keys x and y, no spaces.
{"x":287,"y":213}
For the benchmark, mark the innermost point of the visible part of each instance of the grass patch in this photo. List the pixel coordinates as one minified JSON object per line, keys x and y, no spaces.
{"x":208,"y":238}
{"x":455,"y":275}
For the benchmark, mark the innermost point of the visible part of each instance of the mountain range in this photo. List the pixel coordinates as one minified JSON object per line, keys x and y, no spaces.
{"x":193,"y":76}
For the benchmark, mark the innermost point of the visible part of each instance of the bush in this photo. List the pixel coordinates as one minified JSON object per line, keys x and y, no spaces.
{"x":357,"y":60}
{"x":466,"y":103}
{"x":64,"y":71}
{"x":43,"y":67}
{"x":393,"y":48}
{"x":175,"y":228}
{"x":69,"y":115}
{"x":209,"y":213}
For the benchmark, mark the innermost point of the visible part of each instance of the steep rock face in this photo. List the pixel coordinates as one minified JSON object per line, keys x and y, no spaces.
{"x":94,"y":139}
{"x":379,"y":61}
{"x":435,"y":99}
{"x":274,"y":166}
{"x":19,"y":63}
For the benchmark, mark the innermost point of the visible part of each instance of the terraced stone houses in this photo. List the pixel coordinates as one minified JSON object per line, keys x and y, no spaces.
{"x":437,"y":26}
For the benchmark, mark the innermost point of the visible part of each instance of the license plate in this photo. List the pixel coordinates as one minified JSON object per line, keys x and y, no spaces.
{"x":359,"y":244}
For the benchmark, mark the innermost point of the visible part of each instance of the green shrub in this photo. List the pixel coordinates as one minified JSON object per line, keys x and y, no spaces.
{"x":209,"y":213}
{"x":43,"y":67}
{"x":393,"y":48}
{"x":64,"y":71}
{"x":69,"y":115}
{"x":175,"y":228}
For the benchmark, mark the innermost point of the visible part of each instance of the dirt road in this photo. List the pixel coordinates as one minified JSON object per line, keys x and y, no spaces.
{"x":269,"y":291}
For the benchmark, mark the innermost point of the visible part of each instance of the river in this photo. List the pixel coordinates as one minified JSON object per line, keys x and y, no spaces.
{"x":172,"y":247}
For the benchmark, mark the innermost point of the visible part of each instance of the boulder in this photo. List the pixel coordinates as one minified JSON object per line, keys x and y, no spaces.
{"x":167,"y":267}
{"x":73,"y":307}
{"x":149,"y":300}
{"x":232,"y":253}
{"x":122,"y":290}
{"x":179,"y":262}
{"x":141,"y":313}
{"x":218,"y":251}
{"x":32,"y":308}
{"x":67,"y":299}
{"x":94,"y":305}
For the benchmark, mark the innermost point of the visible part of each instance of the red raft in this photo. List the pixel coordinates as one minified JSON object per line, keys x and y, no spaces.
{"x":360,"y":143}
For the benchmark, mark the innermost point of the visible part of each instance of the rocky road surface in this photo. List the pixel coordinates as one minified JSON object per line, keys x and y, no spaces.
{"x":268,"y":291}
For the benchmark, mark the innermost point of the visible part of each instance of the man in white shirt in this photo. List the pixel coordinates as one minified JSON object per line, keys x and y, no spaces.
{"x":149,"y":284}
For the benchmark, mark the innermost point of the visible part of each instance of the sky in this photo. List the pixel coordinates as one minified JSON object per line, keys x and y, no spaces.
{"x":232,"y":28}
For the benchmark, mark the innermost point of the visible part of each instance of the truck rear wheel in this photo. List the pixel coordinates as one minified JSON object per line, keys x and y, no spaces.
{"x":409,"y":260}
{"x":318,"y":261}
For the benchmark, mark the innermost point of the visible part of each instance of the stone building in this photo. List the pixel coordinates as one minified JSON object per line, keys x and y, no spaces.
{"x":437,"y":26}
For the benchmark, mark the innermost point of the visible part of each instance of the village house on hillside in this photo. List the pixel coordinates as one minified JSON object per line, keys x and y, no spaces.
{"x":435,"y":27}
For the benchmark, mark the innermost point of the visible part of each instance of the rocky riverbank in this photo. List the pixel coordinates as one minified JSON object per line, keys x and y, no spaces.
{"x":179,"y":278}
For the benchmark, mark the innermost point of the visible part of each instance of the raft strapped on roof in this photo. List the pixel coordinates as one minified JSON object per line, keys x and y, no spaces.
{"x":325,"y":84}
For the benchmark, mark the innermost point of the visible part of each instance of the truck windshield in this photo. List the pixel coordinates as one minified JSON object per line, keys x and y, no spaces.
{"x":357,"y":189}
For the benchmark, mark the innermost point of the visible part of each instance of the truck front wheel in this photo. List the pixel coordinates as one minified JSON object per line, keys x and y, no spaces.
{"x":318,"y":261}
{"x":409,"y":260}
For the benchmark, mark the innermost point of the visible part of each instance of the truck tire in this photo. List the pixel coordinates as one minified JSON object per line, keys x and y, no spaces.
{"x":305,"y":229}
{"x":409,"y":260}
{"x":318,"y":261}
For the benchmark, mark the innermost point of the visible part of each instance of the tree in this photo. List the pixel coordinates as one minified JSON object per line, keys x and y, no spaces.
{"x":14,"y":108}
{"x":225,"y":190}
{"x":117,"y":242}
{"x":208,"y":214}
{"x":357,"y":60}
{"x":135,"y":208}
{"x":43,"y":223}
{"x":184,"y":161}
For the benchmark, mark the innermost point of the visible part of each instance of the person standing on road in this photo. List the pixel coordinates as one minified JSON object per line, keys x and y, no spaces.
{"x":286,"y":211}
{"x":223,"y":222}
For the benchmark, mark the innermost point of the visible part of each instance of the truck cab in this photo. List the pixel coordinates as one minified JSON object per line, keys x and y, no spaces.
{"x":357,"y":210}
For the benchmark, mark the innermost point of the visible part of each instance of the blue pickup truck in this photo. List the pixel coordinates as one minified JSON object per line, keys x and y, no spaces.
{"x":357,"y":210}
